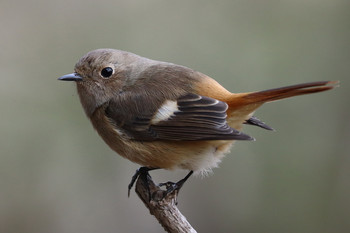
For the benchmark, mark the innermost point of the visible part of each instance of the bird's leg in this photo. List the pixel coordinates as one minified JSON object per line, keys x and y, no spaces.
{"x":154,"y":191}
{"x":171,"y":186}
{"x":141,"y":171}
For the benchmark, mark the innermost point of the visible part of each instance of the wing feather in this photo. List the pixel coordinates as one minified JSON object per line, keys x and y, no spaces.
{"x":195,"y":118}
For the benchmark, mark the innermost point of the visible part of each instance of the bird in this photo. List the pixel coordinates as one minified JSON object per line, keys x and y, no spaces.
{"x":162,"y":115}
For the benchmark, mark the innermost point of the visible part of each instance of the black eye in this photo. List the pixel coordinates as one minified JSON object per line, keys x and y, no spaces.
{"x":106,"y":72}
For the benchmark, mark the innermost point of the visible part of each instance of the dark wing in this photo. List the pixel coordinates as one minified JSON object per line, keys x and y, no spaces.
{"x":255,"y":121}
{"x":189,"y":118}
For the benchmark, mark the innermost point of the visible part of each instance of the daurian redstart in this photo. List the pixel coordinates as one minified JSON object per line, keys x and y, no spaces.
{"x":163,"y":115}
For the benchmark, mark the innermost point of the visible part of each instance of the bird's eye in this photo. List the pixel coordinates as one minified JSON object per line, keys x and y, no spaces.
{"x":106,"y":72}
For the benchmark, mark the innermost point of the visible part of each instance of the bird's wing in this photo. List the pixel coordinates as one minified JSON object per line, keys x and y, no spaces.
{"x":190,"y":117}
{"x":256,"y":122}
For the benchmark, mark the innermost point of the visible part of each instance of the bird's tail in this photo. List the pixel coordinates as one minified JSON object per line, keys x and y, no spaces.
{"x":260,"y":97}
{"x":243,"y":105}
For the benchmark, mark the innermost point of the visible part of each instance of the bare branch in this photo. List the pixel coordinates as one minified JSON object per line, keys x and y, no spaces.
{"x":162,"y":205}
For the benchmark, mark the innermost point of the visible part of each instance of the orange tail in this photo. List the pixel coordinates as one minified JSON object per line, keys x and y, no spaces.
{"x":260,"y":97}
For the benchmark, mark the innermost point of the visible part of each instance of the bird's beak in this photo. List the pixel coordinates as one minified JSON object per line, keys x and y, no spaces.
{"x":70,"y":77}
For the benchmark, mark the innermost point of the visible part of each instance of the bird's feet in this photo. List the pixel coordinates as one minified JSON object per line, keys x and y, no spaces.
{"x":171,"y":186}
{"x":155,"y":191}
{"x":142,"y":172}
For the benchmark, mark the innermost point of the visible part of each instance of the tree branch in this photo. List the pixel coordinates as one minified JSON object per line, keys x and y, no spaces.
{"x":162,"y":205}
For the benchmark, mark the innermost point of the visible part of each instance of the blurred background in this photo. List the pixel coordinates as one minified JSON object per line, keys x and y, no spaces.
{"x":58,"y":176}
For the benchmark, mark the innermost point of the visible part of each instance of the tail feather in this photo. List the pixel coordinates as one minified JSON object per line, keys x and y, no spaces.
{"x":243,"y":105}
{"x":261,"y":97}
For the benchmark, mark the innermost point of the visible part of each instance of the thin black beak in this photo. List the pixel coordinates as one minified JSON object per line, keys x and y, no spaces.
{"x":70,"y":77}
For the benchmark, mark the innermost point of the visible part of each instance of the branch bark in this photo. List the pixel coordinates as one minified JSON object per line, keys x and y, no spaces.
{"x":162,"y":205}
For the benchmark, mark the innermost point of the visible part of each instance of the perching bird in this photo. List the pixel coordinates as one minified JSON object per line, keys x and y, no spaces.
{"x":163,"y":115}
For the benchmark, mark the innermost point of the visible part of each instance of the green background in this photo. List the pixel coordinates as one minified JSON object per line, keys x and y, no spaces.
{"x":58,"y":176}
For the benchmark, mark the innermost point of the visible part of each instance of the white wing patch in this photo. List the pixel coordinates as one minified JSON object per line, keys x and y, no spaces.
{"x":165,"y":111}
